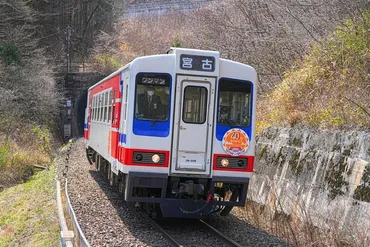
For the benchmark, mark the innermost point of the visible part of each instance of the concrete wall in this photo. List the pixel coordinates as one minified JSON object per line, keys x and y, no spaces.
{"x":158,"y":7}
{"x":323,"y":174}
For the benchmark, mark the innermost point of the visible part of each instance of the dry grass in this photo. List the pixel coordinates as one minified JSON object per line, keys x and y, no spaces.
{"x":18,"y":155}
{"x":330,"y":88}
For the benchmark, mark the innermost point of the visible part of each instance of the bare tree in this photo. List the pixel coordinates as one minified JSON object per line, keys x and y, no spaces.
{"x":27,"y":84}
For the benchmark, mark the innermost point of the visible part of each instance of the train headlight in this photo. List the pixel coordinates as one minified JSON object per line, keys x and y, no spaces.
{"x":156,"y":158}
{"x":224,"y":162}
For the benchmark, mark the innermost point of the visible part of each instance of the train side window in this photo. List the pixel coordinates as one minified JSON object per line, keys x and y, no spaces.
{"x":95,"y":101}
{"x":93,"y":108}
{"x":96,"y":107}
{"x":106,"y":107}
{"x":100,"y":107}
{"x":103,"y":107}
{"x":114,"y":104}
{"x":195,"y":105}
{"x":110,"y":106}
{"x":96,"y":110}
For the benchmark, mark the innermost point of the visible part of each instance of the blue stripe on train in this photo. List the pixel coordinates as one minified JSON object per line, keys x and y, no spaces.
{"x":122,"y":138}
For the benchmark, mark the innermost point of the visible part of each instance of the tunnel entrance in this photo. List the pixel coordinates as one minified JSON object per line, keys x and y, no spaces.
{"x":76,"y":90}
{"x":81,"y":106}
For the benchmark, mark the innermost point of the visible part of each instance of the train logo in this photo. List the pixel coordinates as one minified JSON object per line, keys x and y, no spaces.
{"x":235,"y":142}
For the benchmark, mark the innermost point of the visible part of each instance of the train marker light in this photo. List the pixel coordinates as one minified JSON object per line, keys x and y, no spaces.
{"x":139,"y":157}
{"x":155,"y":158}
{"x":240,"y":163}
{"x":224,"y":162}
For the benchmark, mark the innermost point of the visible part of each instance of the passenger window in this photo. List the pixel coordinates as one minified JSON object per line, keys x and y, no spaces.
{"x":105,"y":106}
{"x":195,"y":105}
{"x":95,"y":110}
{"x":100,"y":107}
{"x":110,"y":106}
{"x":92,"y":108}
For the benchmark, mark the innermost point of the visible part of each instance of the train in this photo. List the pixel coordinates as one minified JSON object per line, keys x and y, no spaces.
{"x":175,"y":132}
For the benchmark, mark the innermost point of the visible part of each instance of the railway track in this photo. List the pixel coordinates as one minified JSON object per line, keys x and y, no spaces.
{"x":226,"y":241}
{"x":106,"y":220}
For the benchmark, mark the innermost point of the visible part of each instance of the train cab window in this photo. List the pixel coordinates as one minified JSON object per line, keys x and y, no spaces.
{"x":195,"y":105}
{"x":234,"y":102}
{"x":152,"y":97}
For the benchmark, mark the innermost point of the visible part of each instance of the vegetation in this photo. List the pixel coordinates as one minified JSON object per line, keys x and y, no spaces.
{"x":28,"y":214}
{"x":29,"y":99}
{"x":17,"y":159}
{"x":330,"y":88}
{"x":269,"y":35}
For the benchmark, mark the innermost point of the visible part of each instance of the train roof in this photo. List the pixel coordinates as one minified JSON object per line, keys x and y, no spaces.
{"x":172,"y":52}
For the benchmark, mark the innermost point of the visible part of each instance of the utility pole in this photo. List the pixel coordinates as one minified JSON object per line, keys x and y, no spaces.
{"x":68,"y":33}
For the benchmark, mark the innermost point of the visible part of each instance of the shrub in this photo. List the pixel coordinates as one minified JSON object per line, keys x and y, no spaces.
{"x":329,"y":88}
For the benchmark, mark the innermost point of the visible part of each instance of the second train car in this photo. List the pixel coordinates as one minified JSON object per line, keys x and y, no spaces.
{"x":175,"y":132}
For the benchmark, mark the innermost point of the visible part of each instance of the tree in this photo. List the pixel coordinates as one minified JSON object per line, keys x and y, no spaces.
{"x":28,"y":92}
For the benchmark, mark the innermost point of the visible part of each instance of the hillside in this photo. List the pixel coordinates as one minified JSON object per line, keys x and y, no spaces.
{"x":28,"y":214}
{"x":330,"y":87}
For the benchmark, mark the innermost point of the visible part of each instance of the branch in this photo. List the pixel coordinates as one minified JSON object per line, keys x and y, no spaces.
{"x":91,"y":15}
{"x":362,"y":108}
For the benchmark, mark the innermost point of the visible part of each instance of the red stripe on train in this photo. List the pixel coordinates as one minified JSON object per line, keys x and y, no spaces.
{"x":126,"y":155}
{"x":249,"y":167}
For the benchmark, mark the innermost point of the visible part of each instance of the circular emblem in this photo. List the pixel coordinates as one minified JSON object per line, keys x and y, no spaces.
{"x":235,"y":142}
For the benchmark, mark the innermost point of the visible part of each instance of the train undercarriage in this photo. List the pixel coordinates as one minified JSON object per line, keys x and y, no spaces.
{"x":175,"y":196}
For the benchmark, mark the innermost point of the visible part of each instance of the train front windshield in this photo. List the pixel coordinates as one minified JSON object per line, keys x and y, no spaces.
{"x":234,"y":103}
{"x":152,"y":97}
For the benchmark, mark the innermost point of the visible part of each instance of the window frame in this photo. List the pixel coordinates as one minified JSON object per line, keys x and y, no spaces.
{"x":245,"y":82}
{"x":206,"y":104}
{"x":168,"y":79}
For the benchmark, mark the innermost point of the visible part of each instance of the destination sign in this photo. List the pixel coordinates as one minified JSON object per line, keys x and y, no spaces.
{"x":199,"y":63}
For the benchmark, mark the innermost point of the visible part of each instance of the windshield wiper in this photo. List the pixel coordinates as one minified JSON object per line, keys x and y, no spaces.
{"x":229,"y":123}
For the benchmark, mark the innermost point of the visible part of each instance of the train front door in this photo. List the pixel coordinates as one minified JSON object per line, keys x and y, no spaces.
{"x":193,"y":125}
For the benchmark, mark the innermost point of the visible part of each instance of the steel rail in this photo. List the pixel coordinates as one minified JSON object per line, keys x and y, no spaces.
{"x":226,"y":240}
{"x":169,"y":238}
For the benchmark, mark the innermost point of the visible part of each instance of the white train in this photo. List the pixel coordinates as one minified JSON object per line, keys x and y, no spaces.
{"x":176,"y":132}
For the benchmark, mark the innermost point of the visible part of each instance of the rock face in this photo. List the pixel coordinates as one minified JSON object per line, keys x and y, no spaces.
{"x":315,"y":174}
